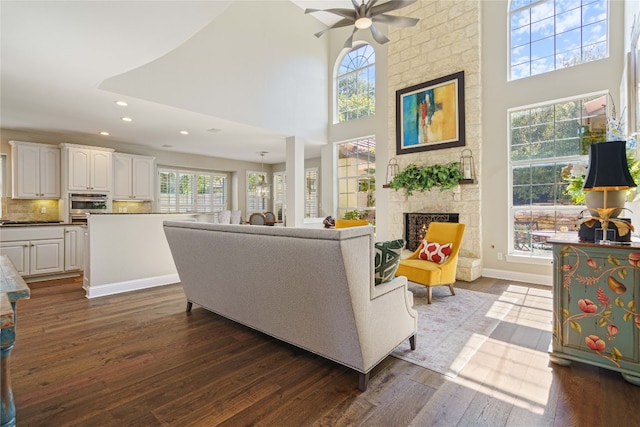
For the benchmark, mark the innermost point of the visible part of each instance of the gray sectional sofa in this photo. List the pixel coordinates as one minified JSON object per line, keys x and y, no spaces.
{"x":313,"y":288}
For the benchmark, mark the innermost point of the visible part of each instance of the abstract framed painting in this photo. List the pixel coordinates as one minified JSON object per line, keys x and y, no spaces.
{"x":430,"y":115}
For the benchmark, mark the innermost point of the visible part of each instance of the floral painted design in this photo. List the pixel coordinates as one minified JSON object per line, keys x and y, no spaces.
{"x":611,"y":307}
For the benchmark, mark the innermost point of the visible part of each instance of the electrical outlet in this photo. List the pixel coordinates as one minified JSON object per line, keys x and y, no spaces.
{"x":124,"y":210}
{"x":119,"y":210}
{"x":43,"y":210}
{"x":499,"y":256}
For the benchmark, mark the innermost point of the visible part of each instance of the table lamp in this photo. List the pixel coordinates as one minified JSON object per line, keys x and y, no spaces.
{"x":608,"y":171}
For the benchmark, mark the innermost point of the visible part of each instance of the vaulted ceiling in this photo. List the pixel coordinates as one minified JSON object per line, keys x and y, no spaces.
{"x":238,"y":76}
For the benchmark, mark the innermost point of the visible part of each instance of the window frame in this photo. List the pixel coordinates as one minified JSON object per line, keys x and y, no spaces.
{"x":340,"y":208}
{"x":586,"y":47}
{"x":338,"y":77}
{"x":545,"y":254}
{"x":250,"y":193}
{"x":195,"y":207}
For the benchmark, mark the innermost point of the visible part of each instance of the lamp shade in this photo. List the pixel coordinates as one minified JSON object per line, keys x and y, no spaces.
{"x":608,"y":169}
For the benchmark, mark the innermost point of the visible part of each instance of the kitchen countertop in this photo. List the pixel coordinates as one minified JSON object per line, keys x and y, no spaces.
{"x":11,"y":223}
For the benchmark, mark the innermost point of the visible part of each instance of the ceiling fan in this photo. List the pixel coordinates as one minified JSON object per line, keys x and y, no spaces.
{"x":366,"y":15}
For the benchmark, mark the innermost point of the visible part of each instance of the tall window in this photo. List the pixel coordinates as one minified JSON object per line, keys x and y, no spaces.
{"x":256,"y":202}
{"x":356,"y":179}
{"x":547,"y":35}
{"x":548,"y":143}
{"x":191,"y":191}
{"x":356,"y":84}
{"x":311,"y":193}
{"x":280,"y":195}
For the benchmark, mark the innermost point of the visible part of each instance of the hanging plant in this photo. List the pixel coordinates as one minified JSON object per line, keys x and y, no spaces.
{"x":423,"y":178}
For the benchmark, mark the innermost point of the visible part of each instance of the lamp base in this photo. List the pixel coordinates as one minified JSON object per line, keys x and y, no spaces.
{"x":595,"y":234}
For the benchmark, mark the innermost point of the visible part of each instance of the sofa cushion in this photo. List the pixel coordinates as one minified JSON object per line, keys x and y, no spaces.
{"x":387,"y":259}
{"x":436,"y":252}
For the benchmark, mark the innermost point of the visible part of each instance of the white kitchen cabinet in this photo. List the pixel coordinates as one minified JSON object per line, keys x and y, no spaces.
{"x":35,"y":170}
{"x":87,"y":168}
{"x":46,"y":256}
{"x":133,"y":177}
{"x":73,"y":248}
{"x":34,"y":250}
{"x":18,"y":253}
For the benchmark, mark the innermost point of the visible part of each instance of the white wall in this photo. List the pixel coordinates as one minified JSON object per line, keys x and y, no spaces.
{"x":499,"y":95}
{"x":373,"y":125}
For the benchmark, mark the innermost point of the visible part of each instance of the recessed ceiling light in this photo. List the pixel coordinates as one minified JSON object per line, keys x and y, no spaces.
{"x":104,"y":133}
{"x":122,"y":103}
{"x":184,"y":132}
{"x":126,"y":119}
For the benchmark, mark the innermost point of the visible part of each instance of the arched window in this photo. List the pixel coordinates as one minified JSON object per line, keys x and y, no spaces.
{"x":356,"y":84}
{"x":547,"y":35}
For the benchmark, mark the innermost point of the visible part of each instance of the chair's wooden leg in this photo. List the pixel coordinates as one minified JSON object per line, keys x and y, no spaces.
{"x":363,"y":381}
{"x":451,"y":287}
{"x":428,"y":294}
{"x":189,"y":305}
{"x":412,"y":342}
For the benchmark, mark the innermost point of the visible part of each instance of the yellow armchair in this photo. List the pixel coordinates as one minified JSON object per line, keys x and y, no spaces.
{"x":429,"y":273}
{"x":346,"y":223}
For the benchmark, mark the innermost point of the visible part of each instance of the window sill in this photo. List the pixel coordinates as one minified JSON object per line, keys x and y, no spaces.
{"x":528,"y":259}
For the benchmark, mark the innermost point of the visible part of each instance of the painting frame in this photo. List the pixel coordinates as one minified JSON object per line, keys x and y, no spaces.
{"x":430,"y":115}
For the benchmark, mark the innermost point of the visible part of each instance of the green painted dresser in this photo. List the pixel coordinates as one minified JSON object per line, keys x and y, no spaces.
{"x":596,"y":305}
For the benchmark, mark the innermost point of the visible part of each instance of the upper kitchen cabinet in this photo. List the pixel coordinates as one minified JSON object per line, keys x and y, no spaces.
{"x":133,"y":177}
{"x":35,"y":171}
{"x":86,"y":168}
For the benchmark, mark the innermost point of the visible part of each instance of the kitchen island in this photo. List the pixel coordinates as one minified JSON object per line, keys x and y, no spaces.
{"x":127,"y":252}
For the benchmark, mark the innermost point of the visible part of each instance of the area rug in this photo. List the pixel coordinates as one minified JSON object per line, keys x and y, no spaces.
{"x":452,"y":328}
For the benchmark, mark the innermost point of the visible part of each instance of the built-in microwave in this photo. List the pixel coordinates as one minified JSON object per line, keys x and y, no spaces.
{"x":81,"y":204}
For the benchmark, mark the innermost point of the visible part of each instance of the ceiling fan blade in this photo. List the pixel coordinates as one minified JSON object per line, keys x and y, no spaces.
{"x":370,"y":5}
{"x":345,"y":13}
{"x":389,"y":6}
{"x":342,"y":23}
{"x":349,"y":42}
{"x":396,"y":21}
{"x":378,"y":36}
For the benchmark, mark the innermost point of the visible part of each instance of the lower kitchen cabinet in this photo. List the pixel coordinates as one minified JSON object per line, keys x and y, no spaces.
{"x":43,"y":250}
{"x":43,"y":256}
{"x":73,"y":248}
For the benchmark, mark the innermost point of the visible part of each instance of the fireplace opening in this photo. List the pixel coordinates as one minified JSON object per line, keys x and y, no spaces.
{"x":417,"y":223}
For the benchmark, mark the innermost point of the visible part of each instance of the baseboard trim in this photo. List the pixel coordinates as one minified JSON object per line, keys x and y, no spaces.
{"x":130,"y":285}
{"x":538,"y":279}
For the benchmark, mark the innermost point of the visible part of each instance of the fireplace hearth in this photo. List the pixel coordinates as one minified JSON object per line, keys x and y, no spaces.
{"x":416,"y":224}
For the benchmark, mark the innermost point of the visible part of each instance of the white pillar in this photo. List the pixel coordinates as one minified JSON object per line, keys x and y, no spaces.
{"x":295,"y":182}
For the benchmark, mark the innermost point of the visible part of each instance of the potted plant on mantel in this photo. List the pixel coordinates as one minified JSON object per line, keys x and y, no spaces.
{"x":421,"y":178}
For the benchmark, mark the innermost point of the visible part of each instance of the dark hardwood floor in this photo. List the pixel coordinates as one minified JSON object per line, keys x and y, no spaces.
{"x":138,"y":359}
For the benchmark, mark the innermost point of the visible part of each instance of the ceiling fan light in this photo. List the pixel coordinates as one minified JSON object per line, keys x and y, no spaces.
{"x":363,"y":23}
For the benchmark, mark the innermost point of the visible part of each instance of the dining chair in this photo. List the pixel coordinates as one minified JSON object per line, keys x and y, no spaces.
{"x":270,"y":218}
{"x":257,"y":218}
{"x":224,"y":217}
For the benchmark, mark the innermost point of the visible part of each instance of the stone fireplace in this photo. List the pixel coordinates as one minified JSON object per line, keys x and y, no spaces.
{"x":416,"y":224}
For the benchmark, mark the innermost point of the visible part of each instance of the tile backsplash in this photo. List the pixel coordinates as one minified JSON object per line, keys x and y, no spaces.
{"x":131,"y":207}
{"x":30,"y":210}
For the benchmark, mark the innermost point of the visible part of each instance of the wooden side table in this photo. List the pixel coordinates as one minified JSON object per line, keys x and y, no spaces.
{"x":12,"y":288}
{"x":596,"y":306}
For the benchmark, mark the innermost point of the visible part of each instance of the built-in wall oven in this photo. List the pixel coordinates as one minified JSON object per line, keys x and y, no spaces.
{"x":81,"y":204}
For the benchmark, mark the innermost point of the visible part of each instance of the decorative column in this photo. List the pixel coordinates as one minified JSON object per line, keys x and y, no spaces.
{"x":295,"y":182}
